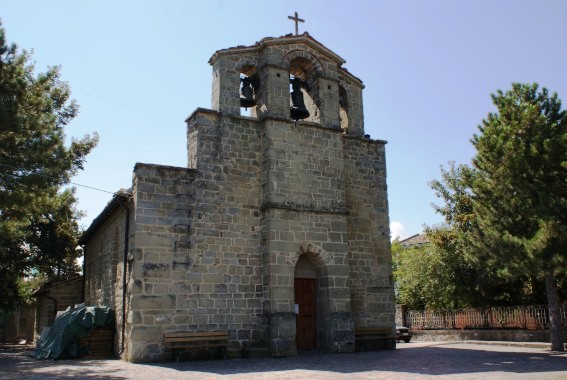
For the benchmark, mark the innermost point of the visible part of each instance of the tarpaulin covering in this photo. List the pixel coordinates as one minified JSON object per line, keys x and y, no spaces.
{"x":62,"y":340}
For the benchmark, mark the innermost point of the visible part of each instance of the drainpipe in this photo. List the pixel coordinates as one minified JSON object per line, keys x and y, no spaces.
{"x":124,"y":267}
{"x":84,"y":249}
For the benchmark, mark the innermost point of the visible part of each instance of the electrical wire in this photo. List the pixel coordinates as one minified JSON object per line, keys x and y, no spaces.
{"x":46,"y":176}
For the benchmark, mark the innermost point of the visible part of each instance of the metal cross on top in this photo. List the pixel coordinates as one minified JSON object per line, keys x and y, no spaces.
{"x":297,"y":20}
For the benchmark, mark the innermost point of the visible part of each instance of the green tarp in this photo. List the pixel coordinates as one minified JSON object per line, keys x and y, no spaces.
{"x":62,"y":340}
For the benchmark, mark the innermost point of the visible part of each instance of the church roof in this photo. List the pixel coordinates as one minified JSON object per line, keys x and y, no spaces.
{"x":417,"y":239}
{"x":285,"y":40}
{"x":119,"y":198}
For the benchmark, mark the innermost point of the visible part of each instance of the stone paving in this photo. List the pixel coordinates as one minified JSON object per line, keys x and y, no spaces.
{"x":420,"y":360}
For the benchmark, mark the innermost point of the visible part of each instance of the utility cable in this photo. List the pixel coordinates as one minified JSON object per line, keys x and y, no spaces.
{"x":51,"y":177}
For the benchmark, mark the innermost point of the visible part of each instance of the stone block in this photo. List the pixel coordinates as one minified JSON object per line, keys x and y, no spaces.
{"x":158,"y":270}
{"x":141,"y":334}
{"x":157,"y":302}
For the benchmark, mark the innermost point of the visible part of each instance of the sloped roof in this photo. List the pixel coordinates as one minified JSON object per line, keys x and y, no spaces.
{"x":55,"y":284}
{"x":417,"y":239}
{"x":120,"y":197}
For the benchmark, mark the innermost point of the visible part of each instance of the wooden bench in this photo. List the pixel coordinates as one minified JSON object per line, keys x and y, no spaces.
{"x":196,"y":341}
{"x":374,"y":334}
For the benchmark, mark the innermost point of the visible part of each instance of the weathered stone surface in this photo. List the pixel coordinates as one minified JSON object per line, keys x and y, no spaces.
{"x":214,"y":246}
{"x":160,"y":302}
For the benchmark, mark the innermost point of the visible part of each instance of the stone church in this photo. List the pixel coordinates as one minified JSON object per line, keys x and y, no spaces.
{"x":277,"y":230}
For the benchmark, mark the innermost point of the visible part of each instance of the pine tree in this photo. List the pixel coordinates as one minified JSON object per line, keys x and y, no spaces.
{"x":34,"y":159}
{"x":520,"y":189}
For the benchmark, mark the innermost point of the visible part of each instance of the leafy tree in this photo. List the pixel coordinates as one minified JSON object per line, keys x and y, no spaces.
{"x":454,"y":190}
{"x":431,"y":275}
{"x":478,"y":284}
{"x":409,"y":268}
{"x":34,"y":161}
{"x":520,"y":192}
{"x":52,"y":240}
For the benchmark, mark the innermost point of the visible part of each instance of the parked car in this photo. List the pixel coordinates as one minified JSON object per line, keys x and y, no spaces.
{"x":403,"y":333}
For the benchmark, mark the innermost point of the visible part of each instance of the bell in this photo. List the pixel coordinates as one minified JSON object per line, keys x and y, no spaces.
{"x":247,"y":93}
{"x":298,"y":109}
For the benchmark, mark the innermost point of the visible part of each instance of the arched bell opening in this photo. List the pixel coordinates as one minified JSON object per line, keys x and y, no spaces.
{"x":248,"y":91}
{"x":303,"y":87}
{"x":343,"y":109}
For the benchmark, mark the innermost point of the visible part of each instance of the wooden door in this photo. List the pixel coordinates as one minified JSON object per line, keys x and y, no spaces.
{"x":307,"y":314}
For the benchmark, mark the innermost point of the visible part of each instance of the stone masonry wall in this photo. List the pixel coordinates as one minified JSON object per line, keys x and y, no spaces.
{"x":67,"y":294}
{"x":163,"y":207}
{"x":19,"y":324}
{"x":104,"y":261}
{"x":303,"y":167}
{"x":305,"y":213}
{"x":371,"y":281}
{"x":214,"y":246}
{"x":104,"y":264}
{"x":203,"y":272}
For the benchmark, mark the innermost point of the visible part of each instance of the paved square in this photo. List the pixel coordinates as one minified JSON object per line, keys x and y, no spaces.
{"x":409,"y":361}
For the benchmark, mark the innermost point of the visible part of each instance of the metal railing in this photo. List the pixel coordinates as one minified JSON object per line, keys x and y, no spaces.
{"x":520,"y":317}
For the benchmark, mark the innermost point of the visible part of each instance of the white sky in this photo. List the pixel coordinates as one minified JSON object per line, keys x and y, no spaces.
{"x":139,"y":68}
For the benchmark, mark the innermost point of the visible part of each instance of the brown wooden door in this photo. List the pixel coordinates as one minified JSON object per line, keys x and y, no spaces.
{"x":306,"y":318}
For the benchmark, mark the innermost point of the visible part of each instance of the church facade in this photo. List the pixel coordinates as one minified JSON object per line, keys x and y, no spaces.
{"x":277,"y":231}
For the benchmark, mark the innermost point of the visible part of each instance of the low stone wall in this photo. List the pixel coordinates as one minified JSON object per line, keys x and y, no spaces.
{"x":506,"y":335}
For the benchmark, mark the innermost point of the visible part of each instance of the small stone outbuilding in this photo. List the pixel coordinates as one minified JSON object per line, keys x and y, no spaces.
{"x":53,"y":297}
{"x":276,"y":231}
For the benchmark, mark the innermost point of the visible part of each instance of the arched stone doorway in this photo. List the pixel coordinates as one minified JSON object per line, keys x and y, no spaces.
{"x":311,"y":290}
{"x":305,"y":289}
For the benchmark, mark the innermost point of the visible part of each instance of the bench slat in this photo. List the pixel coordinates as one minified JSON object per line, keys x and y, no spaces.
{"x":189,"y":345}
{"x":362,"y":334}
{"x":196,"y":340}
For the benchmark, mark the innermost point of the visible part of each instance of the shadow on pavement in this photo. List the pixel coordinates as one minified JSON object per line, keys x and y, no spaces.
{"x":434,"y":360}
{"x":16,"y":363}
{"x":409,"y":360}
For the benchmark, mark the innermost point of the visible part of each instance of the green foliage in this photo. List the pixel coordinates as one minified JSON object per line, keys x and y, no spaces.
{"x":424,"y":277}
{"x":419,"y":277}
{"x":440,"y":276}
{"x":27,"y":286}
{"x":34,"y":163}
{"x":520,"y":192}
{"x":454,"y":190}
{"x":449,"y":273}
{"x":52,"y":239}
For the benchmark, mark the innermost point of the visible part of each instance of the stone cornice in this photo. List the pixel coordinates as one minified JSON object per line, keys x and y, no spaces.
{"x":285,"y":40}
{"x":302,"y":208}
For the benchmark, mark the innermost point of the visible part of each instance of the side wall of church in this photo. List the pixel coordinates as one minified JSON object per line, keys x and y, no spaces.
{"x":104,"y":261}
{"x":197,"y":260}
{"x":371,"y":281}
{"x":163,"y":200}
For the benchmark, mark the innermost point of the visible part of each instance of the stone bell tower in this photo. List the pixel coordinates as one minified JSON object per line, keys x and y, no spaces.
{"x":277,"y":230}
{"x":290,"y":229}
